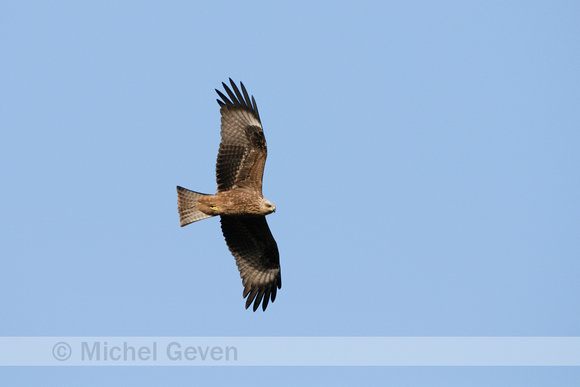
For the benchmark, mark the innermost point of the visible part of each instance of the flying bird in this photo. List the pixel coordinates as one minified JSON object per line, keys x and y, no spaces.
{"x":239,"y":201}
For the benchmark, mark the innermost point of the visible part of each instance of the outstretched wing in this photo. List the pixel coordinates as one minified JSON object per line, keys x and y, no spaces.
{"x":243,"y":151}
{"x":252,"y":244}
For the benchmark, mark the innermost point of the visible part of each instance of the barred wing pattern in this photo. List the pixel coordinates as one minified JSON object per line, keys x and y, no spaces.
{"x":252,"y":244}
{"x":242,"y":153}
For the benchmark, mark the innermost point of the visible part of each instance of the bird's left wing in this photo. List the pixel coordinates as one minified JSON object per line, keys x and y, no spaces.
{"x":243,"y":150}
{"x":252,"y":244}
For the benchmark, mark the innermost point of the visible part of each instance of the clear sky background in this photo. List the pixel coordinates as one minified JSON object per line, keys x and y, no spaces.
{"x":424,"y":160}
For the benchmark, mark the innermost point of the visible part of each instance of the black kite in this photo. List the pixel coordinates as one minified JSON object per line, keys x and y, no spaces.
{"x":239,"y":201}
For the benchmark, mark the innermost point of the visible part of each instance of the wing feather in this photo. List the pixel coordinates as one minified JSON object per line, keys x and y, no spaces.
{"x":237,"y":92}
{"x":225,"y":99}
{"x":250,"y":241}
{"x":243,"y":150}
{"x":247,"y":98}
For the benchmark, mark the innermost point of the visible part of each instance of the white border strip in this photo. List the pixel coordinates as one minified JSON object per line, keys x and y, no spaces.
{"x":289,"y":351}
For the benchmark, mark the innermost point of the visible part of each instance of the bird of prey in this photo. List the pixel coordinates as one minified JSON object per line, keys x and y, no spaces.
{"x":239,"y":201}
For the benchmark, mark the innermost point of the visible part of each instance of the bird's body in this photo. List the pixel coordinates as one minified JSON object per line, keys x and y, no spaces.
{"x":239,"y":201}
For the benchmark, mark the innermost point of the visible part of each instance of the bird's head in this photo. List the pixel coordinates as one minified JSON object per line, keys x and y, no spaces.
{"x":267,"y":207}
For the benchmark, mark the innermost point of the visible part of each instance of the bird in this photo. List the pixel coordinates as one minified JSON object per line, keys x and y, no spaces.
{"x":239,"y":201}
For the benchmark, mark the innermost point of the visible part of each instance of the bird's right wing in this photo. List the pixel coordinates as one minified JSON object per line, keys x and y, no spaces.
{"x":252,"y":244}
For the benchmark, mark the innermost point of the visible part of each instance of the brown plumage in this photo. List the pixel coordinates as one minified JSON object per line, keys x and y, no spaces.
{"x":239,"y":201}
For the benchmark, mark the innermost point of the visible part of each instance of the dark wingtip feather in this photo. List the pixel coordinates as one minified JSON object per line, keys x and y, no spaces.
{"x":237,"y":91}
{"x":251,"y":298}
{"x":273,"y":294}
{"x":255,"y":107}
{"x":236,"y":99}
{"x":258,"y":300}
{"x":266,"y":300}
{"x":259,"y":296}
{"x":231,"y":94}
{"x":225,"y":100}
{"x":246,"y":95}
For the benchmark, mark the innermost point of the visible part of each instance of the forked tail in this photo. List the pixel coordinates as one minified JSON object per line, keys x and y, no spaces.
{"x":188,"y":212}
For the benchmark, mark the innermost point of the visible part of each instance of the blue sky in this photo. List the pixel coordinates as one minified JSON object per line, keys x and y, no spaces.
{"x":424,"y":160}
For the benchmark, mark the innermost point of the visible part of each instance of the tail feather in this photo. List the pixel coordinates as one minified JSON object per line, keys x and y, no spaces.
{"x":188,"y":212}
